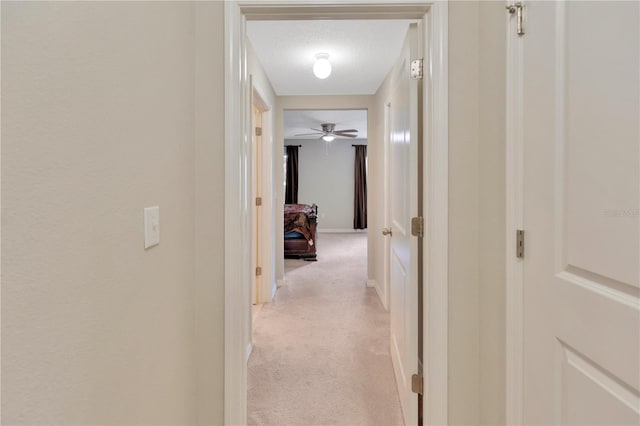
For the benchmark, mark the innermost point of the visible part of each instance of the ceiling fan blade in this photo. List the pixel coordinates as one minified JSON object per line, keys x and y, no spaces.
{"x":317,"y":130}
{"x":346,"y":131}
{"x":310,"y":134}
{"x":345,"y":135}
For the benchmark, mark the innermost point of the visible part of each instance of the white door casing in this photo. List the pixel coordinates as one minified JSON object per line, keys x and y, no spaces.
{"x":574,"y":329}
{"x":257,"y":193}
{"x":236,"y":136}
{"x":404,"y":260}
{"x":263,"y":158}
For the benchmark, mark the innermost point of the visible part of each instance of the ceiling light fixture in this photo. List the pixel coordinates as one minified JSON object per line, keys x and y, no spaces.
{"x":322,"y":66}
{"x":328,"y":138}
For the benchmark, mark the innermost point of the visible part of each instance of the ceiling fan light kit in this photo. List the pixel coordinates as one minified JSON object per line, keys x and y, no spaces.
{"x":322,"y":66}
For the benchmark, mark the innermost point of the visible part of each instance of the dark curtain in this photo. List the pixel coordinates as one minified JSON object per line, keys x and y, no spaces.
{"x":291,"y":194}
{"x":360,"y":193}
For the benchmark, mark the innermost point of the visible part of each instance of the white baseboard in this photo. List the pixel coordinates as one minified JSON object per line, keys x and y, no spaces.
{"x":269,"y":293}
{"x":279,"y":283}
{"x":341,"y":231}
{"x":379,"y":291}
{"x":249,"y":350}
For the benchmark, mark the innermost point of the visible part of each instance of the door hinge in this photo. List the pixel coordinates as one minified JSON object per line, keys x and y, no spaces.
{"x":417,"y":69}
{"x":258,"y":271}
{"x":258,"y":131}
{"x":518,"y":10}
{"x":417,"y":226}
{"x":417,"y":383}
{"x":520,"y":244}
{"x":258,"y":201}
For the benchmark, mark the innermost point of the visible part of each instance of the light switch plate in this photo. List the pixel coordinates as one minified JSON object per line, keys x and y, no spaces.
{"x":151,"y":226}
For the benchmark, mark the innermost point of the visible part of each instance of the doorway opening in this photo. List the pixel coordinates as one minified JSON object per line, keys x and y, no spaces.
{"x":329,"y":171}
{"x":238,"y":268}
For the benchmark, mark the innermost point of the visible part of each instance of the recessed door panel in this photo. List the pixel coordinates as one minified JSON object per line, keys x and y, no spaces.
{"x":600,"y":87}
{"x":593,"y":396}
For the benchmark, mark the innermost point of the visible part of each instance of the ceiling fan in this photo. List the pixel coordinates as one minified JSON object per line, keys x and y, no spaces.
{"x":329,"y":132}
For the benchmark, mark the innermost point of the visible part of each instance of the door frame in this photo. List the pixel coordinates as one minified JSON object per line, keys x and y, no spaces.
{"x":514,"y":386}
{"x":237,"y":142}
{"x":266,"y":290}
{"x":257,"y":108}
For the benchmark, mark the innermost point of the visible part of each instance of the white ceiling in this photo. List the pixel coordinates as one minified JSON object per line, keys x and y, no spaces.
{"x":301,"y":121}
{"x":361,"y":52}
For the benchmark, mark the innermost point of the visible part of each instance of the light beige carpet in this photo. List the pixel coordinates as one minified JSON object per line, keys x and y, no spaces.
{"x":321,"y":350}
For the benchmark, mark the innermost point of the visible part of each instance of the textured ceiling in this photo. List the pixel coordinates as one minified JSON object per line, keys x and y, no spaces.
{"x":361,"y":53}
{"x":301,"y":121}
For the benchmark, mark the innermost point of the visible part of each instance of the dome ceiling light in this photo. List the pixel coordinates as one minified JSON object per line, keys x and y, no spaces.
{"x":322,"y":66}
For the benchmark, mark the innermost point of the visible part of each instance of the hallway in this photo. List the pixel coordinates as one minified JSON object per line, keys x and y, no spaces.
{"x":321,"y":349}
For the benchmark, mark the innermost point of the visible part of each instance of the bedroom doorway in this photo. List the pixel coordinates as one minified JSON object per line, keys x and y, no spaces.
{"x":327,"y":168}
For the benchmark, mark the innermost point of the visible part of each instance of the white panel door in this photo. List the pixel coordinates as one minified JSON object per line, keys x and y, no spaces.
{"x":581,"y":121}
{"x":403,"y":154}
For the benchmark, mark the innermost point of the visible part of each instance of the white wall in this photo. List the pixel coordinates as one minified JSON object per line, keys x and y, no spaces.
{"x":209,"y":212}
{"x":100,"y":118}
{"x":464,"y":333}
{"x":476,"y":213}
{"x":326,"y":178}
{"x":492,"y":209}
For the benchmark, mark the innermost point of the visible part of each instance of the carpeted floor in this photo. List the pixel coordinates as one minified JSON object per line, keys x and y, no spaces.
{"x":321,"y":350}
